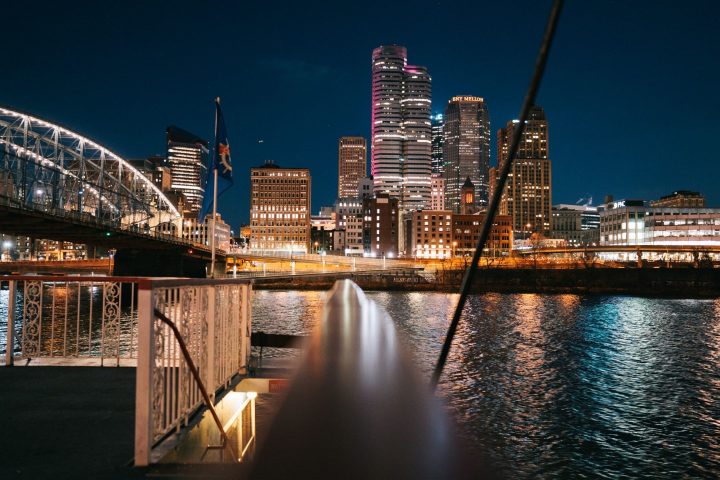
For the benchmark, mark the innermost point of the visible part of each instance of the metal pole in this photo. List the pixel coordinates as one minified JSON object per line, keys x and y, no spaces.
{"x":198,"y":379}
{"x":215,"y":178}
{"x":212,"y":239}
{"x":497,"y":193}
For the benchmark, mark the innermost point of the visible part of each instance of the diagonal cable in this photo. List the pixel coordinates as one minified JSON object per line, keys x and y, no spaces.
{"x":529,"y":101}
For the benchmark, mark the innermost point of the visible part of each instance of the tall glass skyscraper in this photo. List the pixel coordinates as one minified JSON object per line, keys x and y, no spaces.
{"x":466,"y":152}
{"x":401,"y":130}
{"x":187,"y":157}
{"x":438,"y":140}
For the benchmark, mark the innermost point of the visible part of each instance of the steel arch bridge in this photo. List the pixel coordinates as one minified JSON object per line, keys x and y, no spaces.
{"x":47,"y":168}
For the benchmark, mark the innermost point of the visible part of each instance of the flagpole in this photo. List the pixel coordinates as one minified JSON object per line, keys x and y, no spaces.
{"x":215,"y":180}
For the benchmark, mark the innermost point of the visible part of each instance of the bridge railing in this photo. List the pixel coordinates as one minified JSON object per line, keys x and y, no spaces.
{"x":214,"y":319}
{"x":74,"y":320}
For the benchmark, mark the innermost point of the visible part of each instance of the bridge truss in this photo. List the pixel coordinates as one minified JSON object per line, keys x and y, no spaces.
{"x":47,"y":168}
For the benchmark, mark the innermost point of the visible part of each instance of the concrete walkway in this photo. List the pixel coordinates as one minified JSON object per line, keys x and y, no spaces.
{"x":67,"y":422}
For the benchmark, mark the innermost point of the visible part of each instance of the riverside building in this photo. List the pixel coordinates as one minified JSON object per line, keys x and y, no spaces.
{"x":280,"y":209}
{"x":438,"y":234}
{"x":634,"y":222}
{"x":401,"y":129}
{"x":466,"y":151}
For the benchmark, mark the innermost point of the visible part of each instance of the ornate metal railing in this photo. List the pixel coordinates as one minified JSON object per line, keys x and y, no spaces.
{"x":71,"y":320}
{"x":213,"y":318}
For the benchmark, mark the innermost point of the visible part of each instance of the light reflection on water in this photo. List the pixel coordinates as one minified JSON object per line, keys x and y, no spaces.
{"x":562,"y":385}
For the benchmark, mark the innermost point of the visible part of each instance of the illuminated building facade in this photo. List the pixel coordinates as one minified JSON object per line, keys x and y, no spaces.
{"x":381,"y":225}
{"x":200,"y":232}
{"x":187,"y":157}
{"x":438,"y":234}
{"x":280,"y":209}
{"x":633,"y":222}
{"x":352,"y":165}
{"x":438,"y":140}
{"x":401,"y":129}
{"x":431,"y":234}
{"x":466,"y":152}
{"x":349,"y":220}
{"x":466,"y":234}
{"x":528,"y":193}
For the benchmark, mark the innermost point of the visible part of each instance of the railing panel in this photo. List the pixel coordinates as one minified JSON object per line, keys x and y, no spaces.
{"x":209,"y":317}
{"x":176,"y":395}
{"x":72,"y":320}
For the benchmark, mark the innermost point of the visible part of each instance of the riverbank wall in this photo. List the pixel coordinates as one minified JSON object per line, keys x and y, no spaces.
{"x":666,"y":282}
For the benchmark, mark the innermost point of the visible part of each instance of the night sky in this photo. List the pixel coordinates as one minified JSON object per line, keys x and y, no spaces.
{"x":631,"y":89}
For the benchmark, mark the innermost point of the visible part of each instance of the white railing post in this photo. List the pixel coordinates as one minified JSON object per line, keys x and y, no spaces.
{"x":245,"y":326}
{"x":211,"y":315}
{"x":10,"y":337}
{"x":144,"y":376}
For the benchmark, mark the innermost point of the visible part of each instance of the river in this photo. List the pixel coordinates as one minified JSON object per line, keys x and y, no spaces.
{"x":557,"y":386}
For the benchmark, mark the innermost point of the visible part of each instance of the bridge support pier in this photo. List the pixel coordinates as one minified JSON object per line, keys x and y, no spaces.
{"x":130,"y":262}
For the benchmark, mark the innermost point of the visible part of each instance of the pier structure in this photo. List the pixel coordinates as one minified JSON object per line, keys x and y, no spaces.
{"x":178,"y":377}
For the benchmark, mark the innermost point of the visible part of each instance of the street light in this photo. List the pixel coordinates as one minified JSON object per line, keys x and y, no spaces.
{"x":316,"y":247}
{"x":454,"y":247}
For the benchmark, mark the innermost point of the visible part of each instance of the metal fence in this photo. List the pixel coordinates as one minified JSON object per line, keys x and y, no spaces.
{"x":213,"y":318}
{"x":70,"y":320}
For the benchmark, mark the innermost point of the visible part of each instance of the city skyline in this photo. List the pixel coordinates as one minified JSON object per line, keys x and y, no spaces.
{"x":606,"y":95}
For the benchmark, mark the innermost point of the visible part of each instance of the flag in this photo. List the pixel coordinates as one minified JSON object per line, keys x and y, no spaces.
{"x":221,"y":163}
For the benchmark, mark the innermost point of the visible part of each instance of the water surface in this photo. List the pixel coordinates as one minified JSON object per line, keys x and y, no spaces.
{"x":562,"y":385}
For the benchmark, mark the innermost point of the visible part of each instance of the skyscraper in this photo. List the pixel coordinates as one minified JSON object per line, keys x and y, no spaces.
{"x":352,"y":165}
{"x":187,"y":156}
{"x":528,"y":194}
{"x":401,"y":130}
{"x":466,"y":152}
{"x":438,"y":140}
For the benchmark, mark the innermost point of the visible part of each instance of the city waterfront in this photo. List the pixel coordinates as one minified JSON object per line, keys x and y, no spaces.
{"x":559,"y":385}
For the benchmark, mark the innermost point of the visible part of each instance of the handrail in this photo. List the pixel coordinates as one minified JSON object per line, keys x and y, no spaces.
{"x":359,"y":400}
{"x":198,"y":380}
